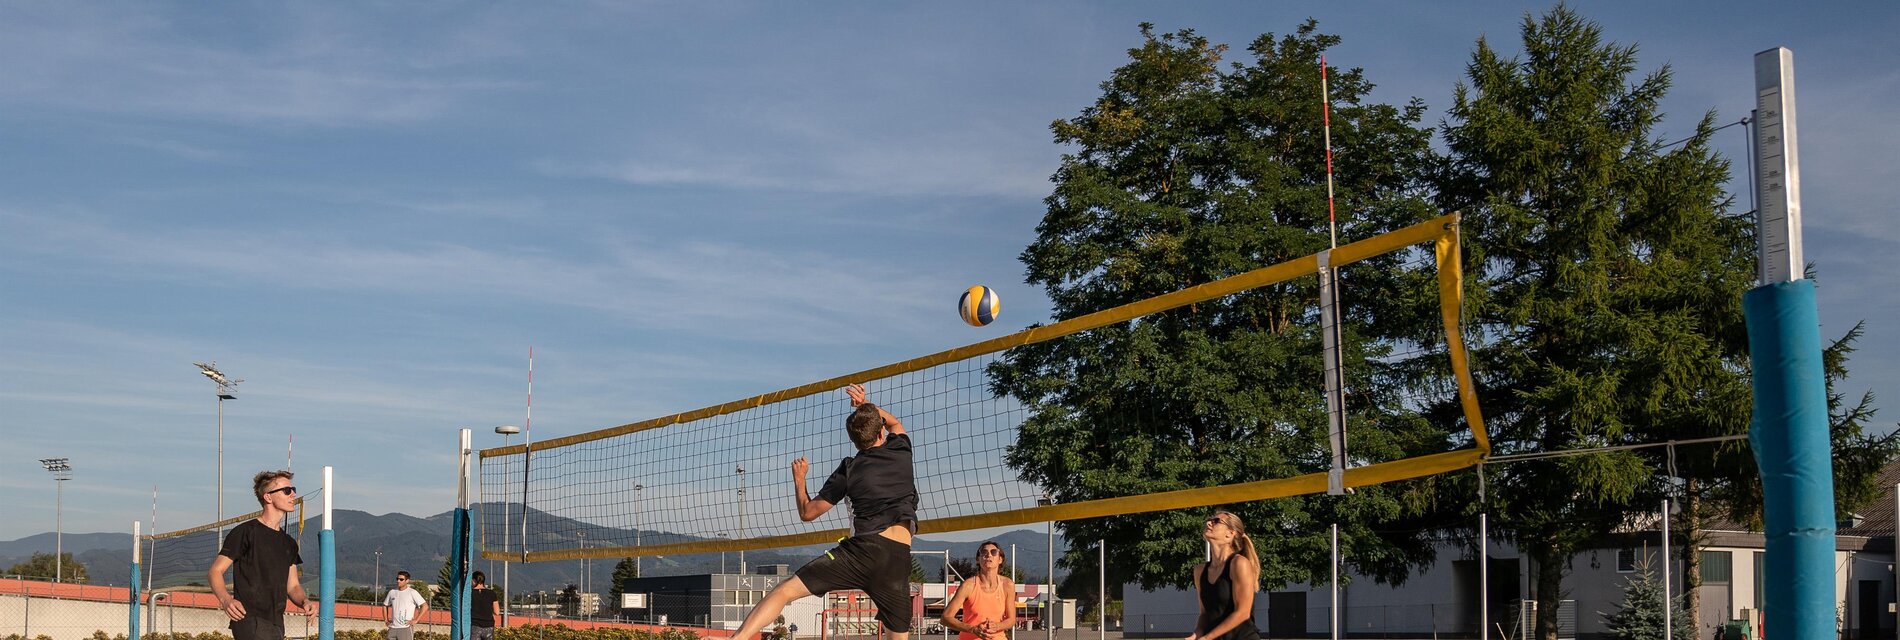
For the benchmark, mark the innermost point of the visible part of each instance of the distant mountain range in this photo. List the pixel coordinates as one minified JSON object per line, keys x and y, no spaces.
{"x":420,"y":545}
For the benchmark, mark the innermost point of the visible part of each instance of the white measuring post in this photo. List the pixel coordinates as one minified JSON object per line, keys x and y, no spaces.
{"x":1777,"y":169}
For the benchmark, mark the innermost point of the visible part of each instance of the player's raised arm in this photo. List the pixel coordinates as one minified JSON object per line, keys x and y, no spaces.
{"x":891,"y":423}
{"x":808,"y":508}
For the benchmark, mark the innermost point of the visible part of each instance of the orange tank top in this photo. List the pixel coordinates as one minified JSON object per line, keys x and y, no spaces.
{"x":980,"y":606}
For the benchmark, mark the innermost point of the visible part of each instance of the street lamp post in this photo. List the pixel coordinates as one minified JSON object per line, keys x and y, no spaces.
{"x":1049,"y":599}
{"x":740,"y":471}
{"x":583,"y":582}
{"x":947,"y":570}
{"x":636,"y":528}
{"x":227,"y":390}
{"x":62,"y":471}
{"x":505,"y":431}
{"x":379,"y":570}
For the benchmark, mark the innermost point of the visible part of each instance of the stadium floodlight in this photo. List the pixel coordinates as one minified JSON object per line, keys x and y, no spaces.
{"x":62,"y":471}
{"x":506,"y":431}
{"x":227,"y":390}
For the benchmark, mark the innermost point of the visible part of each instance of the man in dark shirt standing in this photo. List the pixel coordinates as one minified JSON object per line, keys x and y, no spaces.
{"x":266,"y":562}
{"x":882,"y":489}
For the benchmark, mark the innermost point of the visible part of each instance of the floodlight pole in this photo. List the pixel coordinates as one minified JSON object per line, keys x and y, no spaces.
{"x":636,"y":529}
{"x":220,"y":516}
{"x":506,"y":431}
{"x":1335,"y":581}
{"x":227,"y":390}
{"x":1049,"y":598}
{"x":1668,"y":603}
{"x":946,"y":577}
{"x":62,"y":471}
{"x":59,"y":526}
{"x":1484,"y":576}
{"x":740,"y":471}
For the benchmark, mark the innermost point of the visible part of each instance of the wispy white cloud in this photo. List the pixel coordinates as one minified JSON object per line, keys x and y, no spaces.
{"x":698,"y":286}
{"x":181,"y":149}
{"x":130,"y":61}
{"x":828,"y":164}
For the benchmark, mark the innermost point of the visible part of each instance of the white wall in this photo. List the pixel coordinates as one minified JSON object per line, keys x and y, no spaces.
{"x":77,"y":619}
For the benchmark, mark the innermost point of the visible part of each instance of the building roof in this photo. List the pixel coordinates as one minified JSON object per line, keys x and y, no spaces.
{"x":1870,"y":527}
{"x":1876,"y":518}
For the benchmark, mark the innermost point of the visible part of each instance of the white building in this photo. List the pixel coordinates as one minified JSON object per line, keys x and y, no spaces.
{"x":1442,"y":600}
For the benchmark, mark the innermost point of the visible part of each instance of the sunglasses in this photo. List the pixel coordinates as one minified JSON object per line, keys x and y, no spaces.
{"x":282,"y":490}
{"x":989,"y":552}
{"x":402,"y":579}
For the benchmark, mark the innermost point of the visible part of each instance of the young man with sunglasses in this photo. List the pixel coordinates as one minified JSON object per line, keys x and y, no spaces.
{"x":265,"y":560}
{"x":405,"y":606}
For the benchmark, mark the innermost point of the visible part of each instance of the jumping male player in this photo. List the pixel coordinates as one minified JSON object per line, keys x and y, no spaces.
{"x":883,"y":494}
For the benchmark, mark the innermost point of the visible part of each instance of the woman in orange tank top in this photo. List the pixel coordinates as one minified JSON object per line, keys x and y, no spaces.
{"x":988,"y":599}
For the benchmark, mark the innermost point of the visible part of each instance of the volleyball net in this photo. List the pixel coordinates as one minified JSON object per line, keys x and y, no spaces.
{"x":180,"y":558}
{"x":177,"y":562}
{"x":714,"y":479}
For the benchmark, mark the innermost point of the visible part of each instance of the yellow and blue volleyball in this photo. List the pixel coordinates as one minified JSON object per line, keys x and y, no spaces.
{"x":979,"y":306}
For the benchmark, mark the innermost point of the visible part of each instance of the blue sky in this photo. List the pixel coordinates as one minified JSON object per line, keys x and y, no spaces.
{"x":370,"y":211}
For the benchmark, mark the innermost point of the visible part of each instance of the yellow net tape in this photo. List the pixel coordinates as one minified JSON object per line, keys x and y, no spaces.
{"x":1442,"y":232}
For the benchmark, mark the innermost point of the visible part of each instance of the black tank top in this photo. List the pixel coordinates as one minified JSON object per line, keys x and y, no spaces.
{"x":1217,"y":602}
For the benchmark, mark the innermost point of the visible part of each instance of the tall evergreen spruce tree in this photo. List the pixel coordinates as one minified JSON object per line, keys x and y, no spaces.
{"x":1605,"y":284}
{"x":1606,"y":276}
{"x":624,"y":570}
{"x":444,"y":577}
{"x":1187,"y":170}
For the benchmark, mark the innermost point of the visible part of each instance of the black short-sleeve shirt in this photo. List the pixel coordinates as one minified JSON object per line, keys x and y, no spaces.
{"x":482,"y":608}
{"x":880,"y":484}
{"x":261,"y":558}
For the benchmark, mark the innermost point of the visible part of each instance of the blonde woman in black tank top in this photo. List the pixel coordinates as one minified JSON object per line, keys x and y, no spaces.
{"x":1227,"y":582}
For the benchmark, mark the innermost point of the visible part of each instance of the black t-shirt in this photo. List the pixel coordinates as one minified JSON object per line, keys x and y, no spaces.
{"x":261,"y":558}
{"x":881,"y":485}
{"x":482,"y":607}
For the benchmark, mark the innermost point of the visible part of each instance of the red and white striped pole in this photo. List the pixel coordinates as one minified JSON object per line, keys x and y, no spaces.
{"x":1326,"y":110}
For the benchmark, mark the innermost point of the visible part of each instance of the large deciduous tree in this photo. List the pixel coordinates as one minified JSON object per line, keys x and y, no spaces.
{"x":40,"y":566}
{"x":1188,"y":169}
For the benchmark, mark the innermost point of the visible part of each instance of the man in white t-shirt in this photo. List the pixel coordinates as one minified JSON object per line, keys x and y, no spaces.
{"x":405,"y":605}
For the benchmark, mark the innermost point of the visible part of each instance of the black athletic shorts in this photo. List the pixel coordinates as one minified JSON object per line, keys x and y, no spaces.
{"x":873,"y":563}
